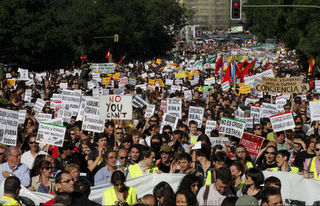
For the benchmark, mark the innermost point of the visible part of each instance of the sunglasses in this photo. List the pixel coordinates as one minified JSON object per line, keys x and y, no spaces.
{"x":72,"y":133}
{"x":317,"y":149}
{"x":270,"y":153}
{"x":153,"y":120}
{"x":67,"y":181}
{"x":123,"y":158}
{"x":258,"y":128}
{"x":48,"y":168}
{"x":33,"y":142}
{"x":302,"y":111}
{"x":119,"y":133}
{"x":126,"y":141}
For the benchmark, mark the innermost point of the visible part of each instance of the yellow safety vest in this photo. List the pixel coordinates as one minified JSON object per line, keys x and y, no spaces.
{"x":313,"y":168}
{"x":136,"y":171}
{"x":293,"y":169}
{"x":208,"y":180}
{"x":194,"y":139}
{"x":110,"y":196}
{"x":8,"y":201}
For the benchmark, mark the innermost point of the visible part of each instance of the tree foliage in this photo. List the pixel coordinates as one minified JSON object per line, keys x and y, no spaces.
{"x":55,"y":31}
{"x":299,"y":28}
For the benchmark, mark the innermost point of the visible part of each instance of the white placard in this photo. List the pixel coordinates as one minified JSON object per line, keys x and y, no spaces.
{"x":210,"y":81}
{"x":175,"y":88}
{"x":268,"y":110}
{"x":92,"y":107}
{"x":210,"y":125}
{"x":196,"y":114}
{"x":24,"y":75}
{"x":57,"y":121}
{"x":63,"y":85}
{"x":51,"y":134}
{"x":44,"y":117}
{"x":225,"y":86}
{"x":174,"y":107}
{"x":9,"y":126}
{"x":168,"y":119}
{"x":314,"y":110}
{"x":282,"y":122}
{"x":115,"y":107}
{"x":317,"y":84}
{"x":250,"y":101}
{"x":22,"y":116}
{"x":65,"y":115}
{"x":188,"y":95}
{"x":91,"y":123}
{"x":219,"y":141}
{"x":247,"y":120}
{"x":231,"y":127}
{"x":39,"y":105}
{"x":255,"y":112}
{"x":138,"y":102}
{"x":150,"y":111}
{"x":27,"y":95}
{"x":169,"y":82}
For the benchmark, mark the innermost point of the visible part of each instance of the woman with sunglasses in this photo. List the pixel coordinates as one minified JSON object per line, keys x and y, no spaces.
{"x":269,"y":158}
{"x":164,"y":194}
{"x":282,"y":159}
{"x":119,"y":194}
{"x":44,"y":182}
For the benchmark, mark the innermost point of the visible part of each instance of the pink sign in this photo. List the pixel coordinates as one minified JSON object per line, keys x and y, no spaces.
{"x":123,"y":80}
{"x":252,"y":143}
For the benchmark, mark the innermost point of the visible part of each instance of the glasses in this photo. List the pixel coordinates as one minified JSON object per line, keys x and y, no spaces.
{"x":67,"y":181}
{"x":33,"y":142}
{"x":72,"y":133}
{"x":119,"y":133}
{"x":112,"y":157}
{"x":29,"y":122}
{"x":1,"y":153}
{"x":302,"y":111}
{"x":258,"y":128}
{"x":270,"y":153}
{"x":123,"y":158}
{"x":19,"y":155}
{"x":286,"y":108}
{"x":48,"y":168}
{"x":153,"y":120}
{"x":317,"y":149}
{"x":298,"y":128}
{"x":126,"y":141}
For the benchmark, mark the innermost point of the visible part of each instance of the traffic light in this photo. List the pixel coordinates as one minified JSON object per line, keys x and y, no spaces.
{"x":235,"y":9}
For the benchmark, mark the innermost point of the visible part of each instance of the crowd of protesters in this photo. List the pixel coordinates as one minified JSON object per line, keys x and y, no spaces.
{"x":215,"y":174}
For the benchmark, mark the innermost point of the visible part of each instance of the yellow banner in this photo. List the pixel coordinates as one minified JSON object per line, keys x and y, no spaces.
{"x":152,"y":82}
{"x":245,"y":89}
{"x":179,"y":76}
{"x":10,"y":82}
{"x":160,"y":82}
{"x":158,"y":61}
{"x":237,"y":57}
{"x":185,"y":73}
{"x":105,"y":80}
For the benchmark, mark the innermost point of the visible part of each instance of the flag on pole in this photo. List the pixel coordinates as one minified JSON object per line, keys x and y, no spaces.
{"x":267,"y":65}
{"x":233,"y":73}
{"x":108,"y":56}
{"x":219,"y":64}
{"x":227,"y":76}
{"x":122,"y":59}
{"x":311,"y":65}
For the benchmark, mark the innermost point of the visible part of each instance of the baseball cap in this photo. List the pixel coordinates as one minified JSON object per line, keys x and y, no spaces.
{"x":165,"y":148}
{"x":247,"y":200}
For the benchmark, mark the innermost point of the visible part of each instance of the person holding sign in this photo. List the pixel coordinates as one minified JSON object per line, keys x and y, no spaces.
{"x":282,"y":159}
{"x":242,"y":156}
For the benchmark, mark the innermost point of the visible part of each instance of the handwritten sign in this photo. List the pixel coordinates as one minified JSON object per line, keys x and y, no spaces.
{"x":174,"y":107}
{"x":210,"y":125}
{"x":252,"y":143}
{"x":92,"y":124}
{"x":39,"y":105}
{"x":149,"y":111}
{"x":231,"y":127}
{"x":115,"y":107}
{"x":282,"y":122}
{"x":51,"y":134}
{"x":168,"y":119}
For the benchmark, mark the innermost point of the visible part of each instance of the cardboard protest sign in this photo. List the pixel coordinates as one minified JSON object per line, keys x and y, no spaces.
{"x":268,"y":110}
{"x":91,"y":123}
{"x":22,"y":116}
{"x":206,"y":88}
{"x":250,"y":80}
{"x":103,"y":68}
{"x":280,"y":102}
{"x":81,"y":110}
{"x":168,"y":119}
{"x":105,"y":80}
{"x":252,"y":143}
{"x":51,"y":134}
{"x":138,"y":102}
{"x":255,"y":112}
{"x":43,"y":117}
{"x":169,"y":82}
{"x":24,"y":74}
{"x":279,"y":85}
{"x":231,"y":127}
{"x":39,"y":105}
{"x":179,"y":82}
{"x":225,"y":86}
{"x":132,"y":81}
{"x":63,"y":85}
{"x":205,"y":95}
{"x":196,"y":114}
{"x":115,"y":107}
{"x":210,"y":125}
{"x":282,"y":122}
{"x":314,"y":110}
{"x":174,"y":107}
{"x":27,"y":95}
{"x":210,"y":81}
{"x":219,"y":141}
{"x":317,"y":84}
{"x":152,"y":81}
{"x":92,"y":107}
{"x":9,"y":120}
{"x":188,"y":95}
{"x":150,"y":111}
{"x":163,"y":105}
{"x":160,"y":82}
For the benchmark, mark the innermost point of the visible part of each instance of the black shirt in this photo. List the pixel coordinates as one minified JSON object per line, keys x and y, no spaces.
{"x":300,"y":158}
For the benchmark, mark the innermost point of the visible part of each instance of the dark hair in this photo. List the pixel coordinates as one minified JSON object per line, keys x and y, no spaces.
{"x":137,"y":146}
{"x":165,"y":190}
{"x":109,"y":123}
{"x":284,"y":153}
{"x":239,"y":167}
{"x":221,"y":157}
{"x":272,"y":180}
{"x":204,"y":137}
{"x":11,"y":185}
{"x":256,"y":175}
{"x":146,"y":152}
{"x":204,"y":151}
{"x":59,"y":176}
{"x":193,"y":122}
{"x":268,"y":192}
{"x":116,"y":176}
{"x":224,"y":174}
{"x":44,"y":164}
{"x":229,"y":201}
{"x":185,"y":156}
{"x":188,"y":180}
{"x":37,"y":164}
{"x":108,"y":152}
{"x":308,"y":141}
{"x":65,"y":198}
{"x":166,"y":127}
{"x":80,"y":160}
{"x":190,"y":196}
{"x":98,"y":136}
{"x":82,"y":186}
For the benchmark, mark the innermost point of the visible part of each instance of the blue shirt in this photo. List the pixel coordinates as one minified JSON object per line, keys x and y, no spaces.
{"x":21,"y":171}
{"x":103,"y":176}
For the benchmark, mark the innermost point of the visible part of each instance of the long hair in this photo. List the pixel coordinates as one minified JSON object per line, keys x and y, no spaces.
{"x":188,"y":180}
{"x":164,"y":190}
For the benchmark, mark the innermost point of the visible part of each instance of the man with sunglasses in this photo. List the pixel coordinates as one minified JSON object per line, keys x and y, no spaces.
{"x":13,"y":167}
{"x":28,"y":157}
{"x":123,"y":155}
{"x":103,"y":176}
{"x":65,"y":184}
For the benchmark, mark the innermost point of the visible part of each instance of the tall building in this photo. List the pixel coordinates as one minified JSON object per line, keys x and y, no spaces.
{"x":210,"y":14}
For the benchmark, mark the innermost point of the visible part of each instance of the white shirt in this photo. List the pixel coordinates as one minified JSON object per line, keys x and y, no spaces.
{"x":28,"y":159}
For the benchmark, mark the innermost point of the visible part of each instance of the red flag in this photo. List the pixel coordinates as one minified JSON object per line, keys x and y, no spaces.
{"x":246,"y":70}
{"x":267,"y":65}
{"x":311,"y":65}
{"x":108,"y":55}
{"x":227,"y":76}
{"x":238,"y":72}
{"x":311,"y":83}
{"x":218,"y":65}
{"x":122,"y":59}
{"x":242,"y":64}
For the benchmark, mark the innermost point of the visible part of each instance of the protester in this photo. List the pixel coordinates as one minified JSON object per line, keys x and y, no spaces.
{"x":254,"y":178}
{"x":11,"y":191}
{"x":164,"y":194}
{"x":44,"y":182}
{"x":271,"y":196}
{"x":192,"y":182}
{"x":103,"y":176}
{"x":185,"y":197}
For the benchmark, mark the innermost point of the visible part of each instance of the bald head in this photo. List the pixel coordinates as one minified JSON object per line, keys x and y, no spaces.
{"x":123,"y":156}
{"x":149,"y":200}
{"x":272,"y":144}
